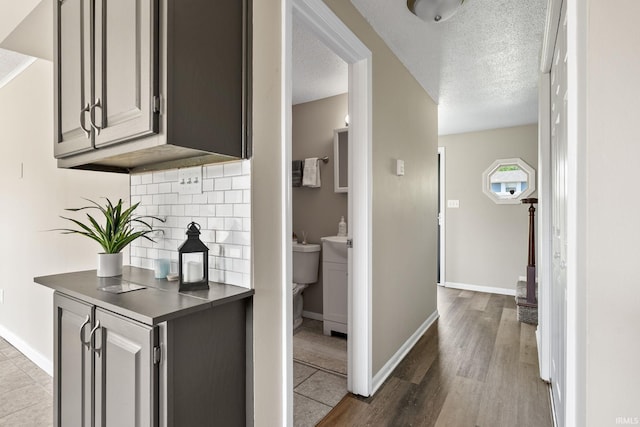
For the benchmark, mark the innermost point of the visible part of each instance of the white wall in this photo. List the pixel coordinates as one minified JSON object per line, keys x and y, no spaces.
{"x":486,"y":242}
{"x":29,"y":206}
{"x":608,"y":281}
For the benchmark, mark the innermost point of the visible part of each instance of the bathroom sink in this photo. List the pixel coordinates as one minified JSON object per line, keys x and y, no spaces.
{"x":334,"y":249}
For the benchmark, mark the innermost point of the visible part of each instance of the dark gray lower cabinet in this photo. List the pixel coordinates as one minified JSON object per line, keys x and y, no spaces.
{"x":105,"y":368}
{"x":187,"y":370}
{"x":73,"y":363}
{"x":126,"y":373}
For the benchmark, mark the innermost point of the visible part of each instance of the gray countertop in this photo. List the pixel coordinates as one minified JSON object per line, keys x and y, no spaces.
{"x":158,"y":302}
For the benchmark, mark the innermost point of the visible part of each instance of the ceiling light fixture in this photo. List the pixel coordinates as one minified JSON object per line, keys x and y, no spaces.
{"x":434,"y":10}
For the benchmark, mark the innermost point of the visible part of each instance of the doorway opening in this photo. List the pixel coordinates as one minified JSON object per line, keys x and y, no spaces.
{"x":441,"y":217}
{"x":323,"y":23}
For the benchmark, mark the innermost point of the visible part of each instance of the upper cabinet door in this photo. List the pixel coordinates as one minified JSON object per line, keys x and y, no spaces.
{"x":126,"y":70}
{"x":72,"y":73}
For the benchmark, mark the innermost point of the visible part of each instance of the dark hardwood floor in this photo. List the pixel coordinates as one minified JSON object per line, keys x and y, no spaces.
{"x":476,"y":366}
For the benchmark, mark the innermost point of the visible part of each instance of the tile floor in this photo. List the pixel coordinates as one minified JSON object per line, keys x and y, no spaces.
{"x":26,"y":391}
{"x":319,"y":373}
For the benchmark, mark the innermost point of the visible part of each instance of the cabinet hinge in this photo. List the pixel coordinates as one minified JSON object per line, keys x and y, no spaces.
{"x":349,"y":243}
{"x":157,"y":104}
{"x":157,"y":355}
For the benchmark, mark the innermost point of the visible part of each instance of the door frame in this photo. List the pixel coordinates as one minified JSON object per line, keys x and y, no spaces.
{"x":442,"y":214}
{"x":319,"y":19}
{"x":577,"y":22}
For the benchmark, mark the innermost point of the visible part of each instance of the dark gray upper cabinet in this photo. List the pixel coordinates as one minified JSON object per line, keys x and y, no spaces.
{"x":144,"y":84}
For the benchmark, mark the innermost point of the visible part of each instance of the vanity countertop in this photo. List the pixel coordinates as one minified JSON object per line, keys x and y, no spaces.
{"x":158,"y":302}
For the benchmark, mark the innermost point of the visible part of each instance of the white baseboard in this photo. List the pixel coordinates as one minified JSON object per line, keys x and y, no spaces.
{"x":312,"y":315}
{"x":481,"y":288}
{"x":36,"y":357}
{"x":392,"y":363}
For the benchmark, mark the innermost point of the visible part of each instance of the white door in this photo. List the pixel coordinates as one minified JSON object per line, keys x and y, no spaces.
{"x":559,"y":219}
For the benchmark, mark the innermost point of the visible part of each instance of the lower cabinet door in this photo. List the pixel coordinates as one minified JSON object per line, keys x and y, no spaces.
{"x":72,"y":362}
{"x":126,"y":380}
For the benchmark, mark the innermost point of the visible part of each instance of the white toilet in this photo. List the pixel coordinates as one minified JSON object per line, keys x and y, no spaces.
{"x":306,"y":260}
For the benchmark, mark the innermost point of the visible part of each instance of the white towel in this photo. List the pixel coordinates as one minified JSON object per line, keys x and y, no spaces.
{"x":311,"y":173}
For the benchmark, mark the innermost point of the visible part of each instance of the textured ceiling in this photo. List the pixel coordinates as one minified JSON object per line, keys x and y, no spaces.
{"x":480,"y":66}
{"x":317,"y":71}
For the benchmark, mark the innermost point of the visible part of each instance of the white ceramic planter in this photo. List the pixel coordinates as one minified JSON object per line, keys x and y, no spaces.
{"x":109,"y":265}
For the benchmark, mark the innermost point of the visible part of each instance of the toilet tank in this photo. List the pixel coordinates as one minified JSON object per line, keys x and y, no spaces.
{"x":306,"y":260}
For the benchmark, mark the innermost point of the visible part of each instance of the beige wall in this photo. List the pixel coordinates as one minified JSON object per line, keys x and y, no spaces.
{"x":404,"y":208}
{"x":267,"y":205}
{"x":608,"y":281}
{"x":486,"y":243}
{"x":30,"y":207}
{"x":317,"y":211}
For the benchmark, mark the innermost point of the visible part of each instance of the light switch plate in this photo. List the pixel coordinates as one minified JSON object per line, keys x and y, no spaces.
{"x":400,"y":167}
{"x":1,"y":296}
{"x":453,"y":203}
{"x":190,"y":180}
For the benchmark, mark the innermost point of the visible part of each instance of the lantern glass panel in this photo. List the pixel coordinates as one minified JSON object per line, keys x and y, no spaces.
{"x":193,"y":267}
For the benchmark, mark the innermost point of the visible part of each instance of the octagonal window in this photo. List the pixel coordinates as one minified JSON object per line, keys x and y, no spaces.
{"x":509,"y":180}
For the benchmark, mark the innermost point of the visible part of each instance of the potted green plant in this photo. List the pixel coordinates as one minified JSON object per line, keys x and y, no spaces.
{"x":119,"y":228}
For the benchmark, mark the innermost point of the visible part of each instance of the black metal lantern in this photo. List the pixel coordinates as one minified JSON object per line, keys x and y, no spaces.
{"x":193,"y":261}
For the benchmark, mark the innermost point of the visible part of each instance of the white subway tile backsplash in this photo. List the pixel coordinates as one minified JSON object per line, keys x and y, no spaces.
{"x":233,"y":196}
{"x":233,"y":224}
{"x":214,"y":171}
{"x":215,"y":197}
{"x":192,"y":210}
{"x":241,"y":182}
{"x":233,"y":251}
{"x":242,"y":210}
{"x":185,"y":199}
{"x":207,"y":210}
{"x":241,"y":238}
{"x":171,"y":175}
{"x":223,"y":210}
{"x":232,"y":169}
{"x":223,"y":236}
{"x":158,"y":177}
{"x":222,"y":184}
{"x":177,"y":210}
{"x":200,"y":198}
{"x":215,"y":223}
{"x":233,"y":278}
{"x":171,"y":199}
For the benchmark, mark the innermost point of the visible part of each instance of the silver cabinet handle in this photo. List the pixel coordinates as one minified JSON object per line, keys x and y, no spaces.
{"x":87,"y":320}
{"x":91,"y":108}
{"x":85,"y":110}
{"x":91,"y":336}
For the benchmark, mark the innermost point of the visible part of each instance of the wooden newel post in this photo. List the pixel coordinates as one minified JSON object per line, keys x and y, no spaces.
{"x":531,"y":264}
